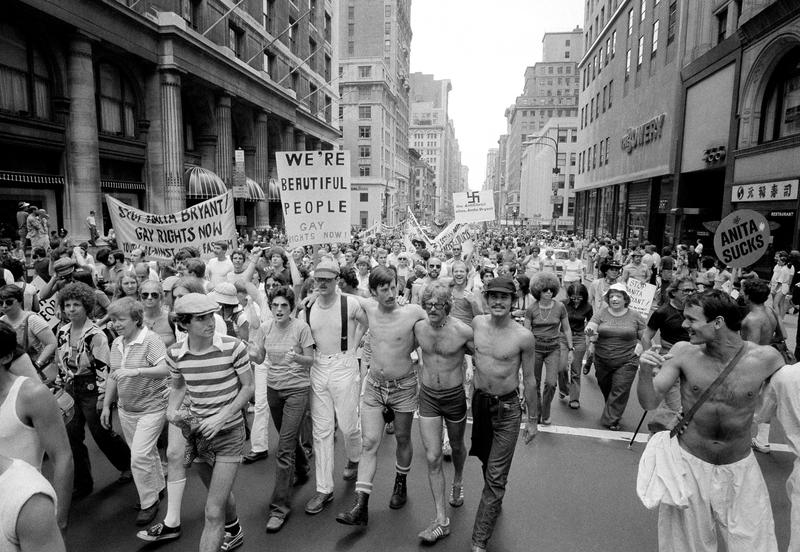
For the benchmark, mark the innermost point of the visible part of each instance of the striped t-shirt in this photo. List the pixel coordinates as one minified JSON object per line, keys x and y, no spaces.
{"x":212,"y":378}
{"x":139,"y":393}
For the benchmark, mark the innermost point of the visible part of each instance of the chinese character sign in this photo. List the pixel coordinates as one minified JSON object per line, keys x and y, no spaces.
{"x":473,"y":206}
{"x":315,"y":196}
{"x":766,"y":191}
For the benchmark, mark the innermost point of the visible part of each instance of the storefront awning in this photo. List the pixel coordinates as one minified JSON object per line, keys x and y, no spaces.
{"x":127,"y":185}
{"x":203,"y":183}
{"x":254,"y":191}
{"x":274,"y":190}
{"x":31,"y":178}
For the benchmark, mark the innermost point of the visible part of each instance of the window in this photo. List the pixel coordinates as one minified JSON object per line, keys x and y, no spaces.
{"x":566,"y":43}
{"x":610,"y":92}
{"x":25,"y":84}
{"x":594,"y":156}
{"x":351,"y":12}
{"x":613,"y":43}
{"x":292,"y":31}
{"x":574,"y":131}
{"x":608,"y":49}
{"x":566,"y":55}
{"x":582,"y":115}
{"x":117,"y":107}
{"x":641,"y":52}
{"x":600,"y":67}
{"x":363,"y":217}
{"x":571,"y":204}
{"x":363,"y":196}
{"x":387,"y":10}
{"x":269,"y":64}
{"x":655,"y":38}
{"x":550,"y":70}
{"x":364,"y":132}
{"x":365,"y":112}
{"x":351,"y":29}
{"x":561,"y":160}
{"x":780,"y":114}
{"x":607,"y":139}
{"x":190,"y":11}
{"x":597,"y":106}
{"x":601,"y":152}
{"x":630,"y":22}
{"x":643,"y":10}
{"x":327,"y":30}
{"x":572,"y":157}
{"x":562,"y":135}
{"x":591,"y":111}
{"x":602,"y":16}
{"x":387,"y":28}
{"x":351,"y":47}
{"x":327,"y":68}
{"x":235,"y":40}
{"x":572,"y":181}
{"x":605,"y":88}
{"x":672,"y":21}
{"x":364,"y":71}
{"x":722,"y":25}
{"x":364,"y":152}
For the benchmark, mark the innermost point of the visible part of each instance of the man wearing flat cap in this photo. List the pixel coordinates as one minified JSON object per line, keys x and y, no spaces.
{"x":214,"y":370}
{"x":335,"y":381}
{"x":502,"y":347}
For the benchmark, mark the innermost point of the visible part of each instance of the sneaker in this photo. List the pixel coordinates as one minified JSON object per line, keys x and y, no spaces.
{"x":318,"y":503}
{"x":159,"y":532}
{"x":350,"y":472}
{"x":457,"y":496}
{"x":232,"y":541}
{"x":251,"y":456}
{"x":545,"y":421}
{"x":435,"y":531}
{"x":758,"y":447}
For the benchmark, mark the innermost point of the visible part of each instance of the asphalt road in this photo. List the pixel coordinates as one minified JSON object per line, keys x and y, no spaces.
{"x":572,"y":488}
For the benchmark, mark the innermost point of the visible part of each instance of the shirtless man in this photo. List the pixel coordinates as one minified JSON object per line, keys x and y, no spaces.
{"x":391,"y":382}
{"x":443,"y":341}
{"x":502,"y":347}
{"x":434,"y":267}
{"x":715,"y":447}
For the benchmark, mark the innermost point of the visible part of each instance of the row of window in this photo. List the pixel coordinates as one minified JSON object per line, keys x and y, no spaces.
{"x":600,"y":60}
{"x":559,"y":70}
{"x":598,"y":104}
{"x":589,"y":159}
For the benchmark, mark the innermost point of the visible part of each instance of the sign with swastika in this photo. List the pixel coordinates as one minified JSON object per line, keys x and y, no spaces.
{"x":475,"y":206}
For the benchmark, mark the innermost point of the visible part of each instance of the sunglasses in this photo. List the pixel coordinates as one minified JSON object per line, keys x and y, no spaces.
{"x":153,"y":295}
{"x":8,"y":302}
{"x":437,"y":306}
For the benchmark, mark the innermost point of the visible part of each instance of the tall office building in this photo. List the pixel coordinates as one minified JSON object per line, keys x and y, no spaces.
{"x":374,"y":52}
{"x":432,"y":133}
{"x":551,"y":90}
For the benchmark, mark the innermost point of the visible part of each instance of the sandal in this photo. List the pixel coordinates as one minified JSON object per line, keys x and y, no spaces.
{"x":575,"y":405}
{"x":435,"y":531}
{"x":457,"y":496}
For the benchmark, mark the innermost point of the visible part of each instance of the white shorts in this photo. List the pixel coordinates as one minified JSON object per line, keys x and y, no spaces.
{"x":730,"y":498}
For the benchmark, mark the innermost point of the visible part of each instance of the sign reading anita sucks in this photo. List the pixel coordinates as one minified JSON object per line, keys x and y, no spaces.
{"x":315,"y":196}
{"x":161,"y":236}
{"x":473,"y":206}
{"x":741,"y":238}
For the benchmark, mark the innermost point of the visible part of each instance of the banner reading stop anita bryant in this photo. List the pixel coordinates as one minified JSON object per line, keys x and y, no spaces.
{"x":161,"y":236}
{"x":741,"y":238}
{"x":315,"y":195}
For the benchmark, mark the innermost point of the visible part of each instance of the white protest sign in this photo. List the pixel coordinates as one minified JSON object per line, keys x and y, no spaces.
{"x":641,"y":296}
{"x":741,"y":238}
{"x":315,"y":196}
{"x":474,"y":206}
{"x":48,"y":308}
{"x":161,"y":236}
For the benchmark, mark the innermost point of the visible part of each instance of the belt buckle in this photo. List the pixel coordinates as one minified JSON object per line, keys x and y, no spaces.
{"x":90,"y":387}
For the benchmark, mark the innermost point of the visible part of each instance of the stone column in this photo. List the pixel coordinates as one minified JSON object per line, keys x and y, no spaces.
{"x":300,"y":140}
{"x":207,"y":145}
{"x":261,"y":172}
{"x":287,"y":139}
{"x":224,"y":139}
{"x":172,"y":140}
{"x":82,"y":193}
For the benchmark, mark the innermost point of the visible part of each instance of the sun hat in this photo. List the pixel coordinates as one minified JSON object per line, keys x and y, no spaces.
{"x":196,"y":304}
{"x":225,"y":294}
{"x":617,"y":287}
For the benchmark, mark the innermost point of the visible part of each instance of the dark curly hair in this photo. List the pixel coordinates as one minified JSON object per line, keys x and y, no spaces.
{"x":79,"y":291}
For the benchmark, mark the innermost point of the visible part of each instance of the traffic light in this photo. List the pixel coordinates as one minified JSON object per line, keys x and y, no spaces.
{"x":556,"y":170}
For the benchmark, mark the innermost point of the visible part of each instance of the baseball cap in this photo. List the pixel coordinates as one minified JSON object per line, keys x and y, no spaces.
{"x":225,"y":294}
{"x":326,"y":268}
{"x":169,"y":283}
{"x":501,"y":285}
{"x":195,"y":304}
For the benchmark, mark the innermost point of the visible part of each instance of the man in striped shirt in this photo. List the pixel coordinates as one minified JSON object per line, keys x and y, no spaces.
{"x":215,"y":372}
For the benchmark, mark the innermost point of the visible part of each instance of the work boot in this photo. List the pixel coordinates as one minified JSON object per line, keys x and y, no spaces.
{"x":399,"y":493}
{"x":358,"y":514}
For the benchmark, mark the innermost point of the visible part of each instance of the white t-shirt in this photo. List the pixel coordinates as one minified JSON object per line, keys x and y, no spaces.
{"x":216,"y":270}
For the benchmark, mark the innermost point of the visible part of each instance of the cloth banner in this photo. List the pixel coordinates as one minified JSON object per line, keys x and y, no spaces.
{"x":474,"y":206}
{"x":161,"y":236}
{"x":641,"y":297}
{"x":315,"y":196}
{"x":453,"y":234}
{"x":414,"y":229}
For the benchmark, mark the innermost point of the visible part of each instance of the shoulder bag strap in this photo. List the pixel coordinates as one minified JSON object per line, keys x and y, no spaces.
{"x":687,"y":418}
{"x":343,"y":302}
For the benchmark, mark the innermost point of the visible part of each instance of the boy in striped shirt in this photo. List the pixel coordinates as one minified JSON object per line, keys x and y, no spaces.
{"x":215,"y":372}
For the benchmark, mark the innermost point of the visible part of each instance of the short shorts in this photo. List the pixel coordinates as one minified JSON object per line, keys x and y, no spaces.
{"x":225,"y":446}
{"x":450,"y":404}
{"x":398,"y":394}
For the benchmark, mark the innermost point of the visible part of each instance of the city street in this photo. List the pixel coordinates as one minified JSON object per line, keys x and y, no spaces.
{"x":573,"y":488}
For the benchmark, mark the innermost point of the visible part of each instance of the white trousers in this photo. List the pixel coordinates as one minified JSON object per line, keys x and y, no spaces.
{"x":793,"y":490}
{"x":259,"y":433}
{"x":729,"y":498}
{"x":141,"y":432}
{"x":335,"y":388}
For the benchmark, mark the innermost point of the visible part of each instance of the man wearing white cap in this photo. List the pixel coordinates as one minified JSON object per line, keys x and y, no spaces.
{"x":337,"y":325}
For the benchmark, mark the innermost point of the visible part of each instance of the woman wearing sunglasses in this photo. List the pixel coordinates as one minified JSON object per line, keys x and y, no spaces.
{"x":156,"y":315}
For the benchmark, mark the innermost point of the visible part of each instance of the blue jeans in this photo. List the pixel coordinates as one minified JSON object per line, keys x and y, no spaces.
{"x":551,"y":361}
{"x":498,"y":419}
{"x":287,"y":408}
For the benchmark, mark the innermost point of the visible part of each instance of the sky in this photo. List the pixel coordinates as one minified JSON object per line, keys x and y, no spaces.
{"x":484,"y":48}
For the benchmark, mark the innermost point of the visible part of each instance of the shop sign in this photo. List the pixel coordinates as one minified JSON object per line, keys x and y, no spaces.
{"x":712,"y":156}
{"x":650,"y":131}
{"x":741,"y":238}
{"x":779,"y":214}
{"x":766,"y":191}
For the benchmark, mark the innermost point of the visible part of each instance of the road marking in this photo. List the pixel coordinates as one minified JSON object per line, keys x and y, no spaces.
{"x":595,"y":433}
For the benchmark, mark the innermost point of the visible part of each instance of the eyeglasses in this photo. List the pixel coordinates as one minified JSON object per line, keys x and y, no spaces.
{"x":435,"y":266}
{"x":151,"y":295}
{"x":8,"y":302}
{"x":272,"y":285}
{"x":688,"y":291}
{"x":437,"y":306}
{"x":324,"y":280}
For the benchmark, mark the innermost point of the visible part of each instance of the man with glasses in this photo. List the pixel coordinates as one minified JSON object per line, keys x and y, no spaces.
{"x":668,"y":320}
{"x":434,"y":271}
{"x":443,"y":341}
{"x":502,"y":348}
{"x":390,"y":383}
{"x":335,"y":381}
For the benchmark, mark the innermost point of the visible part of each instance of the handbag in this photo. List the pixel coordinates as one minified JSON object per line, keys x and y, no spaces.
{"x":660,"y":477}
{"x":65,"y":403}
